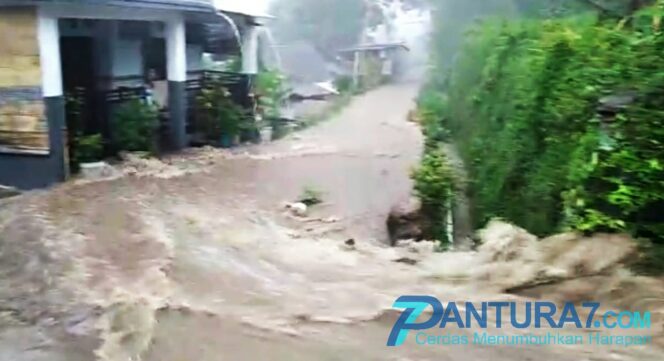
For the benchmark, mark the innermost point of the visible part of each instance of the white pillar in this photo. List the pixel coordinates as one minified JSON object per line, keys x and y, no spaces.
{"x":48,"y":34}
{"x":176,"y":49}
{"x":250,"y":51}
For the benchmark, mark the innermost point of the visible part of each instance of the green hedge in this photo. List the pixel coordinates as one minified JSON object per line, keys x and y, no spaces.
{"x":521,"y":103}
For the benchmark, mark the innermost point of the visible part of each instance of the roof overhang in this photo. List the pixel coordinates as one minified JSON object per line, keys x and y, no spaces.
{"x":183,"y":5}
{"x":374,"y":47}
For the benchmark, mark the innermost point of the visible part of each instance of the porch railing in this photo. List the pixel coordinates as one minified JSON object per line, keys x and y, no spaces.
{"x":95,"y":108}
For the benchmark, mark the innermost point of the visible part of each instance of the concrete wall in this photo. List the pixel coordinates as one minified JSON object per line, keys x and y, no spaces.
{"x":23,"y":126}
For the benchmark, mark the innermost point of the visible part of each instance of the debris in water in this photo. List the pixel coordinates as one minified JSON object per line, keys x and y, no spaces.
{"x":349,"y":245}
{"x":406,"y":260}
{"x":311,"y":197}
{"x":299,"y":209}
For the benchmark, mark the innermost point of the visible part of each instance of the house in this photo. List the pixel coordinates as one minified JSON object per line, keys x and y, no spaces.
{"x":100,"y":52}
{"x":375,"y":63}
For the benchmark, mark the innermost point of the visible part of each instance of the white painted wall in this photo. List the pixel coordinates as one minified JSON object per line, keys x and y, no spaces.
{"x":48,"y":33}
{"x":176,"y":50}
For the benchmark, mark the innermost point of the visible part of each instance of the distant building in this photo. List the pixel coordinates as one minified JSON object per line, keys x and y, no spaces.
{"x":375,"y":63}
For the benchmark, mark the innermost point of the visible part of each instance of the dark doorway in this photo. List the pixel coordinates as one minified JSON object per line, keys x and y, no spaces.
{"x":78,"y":77}
{"x":78,"y":80}
{"x":154,"y":53}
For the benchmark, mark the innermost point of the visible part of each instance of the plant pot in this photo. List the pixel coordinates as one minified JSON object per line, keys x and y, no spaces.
{"x":227,"y":141}
{"x":96,"y":170}
{"x":266,"y":134}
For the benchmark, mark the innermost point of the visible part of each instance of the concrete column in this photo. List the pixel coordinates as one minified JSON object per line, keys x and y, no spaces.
{"x":250,"y":50}
{"x":48,"y":34}
{"x":176,"y":52}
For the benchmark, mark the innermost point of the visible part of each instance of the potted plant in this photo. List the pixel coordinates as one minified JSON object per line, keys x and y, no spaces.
{"x":270,"y":96}
{"x":87,"y":154}
{"x":220,"y":118}
{"x":134,"y":127}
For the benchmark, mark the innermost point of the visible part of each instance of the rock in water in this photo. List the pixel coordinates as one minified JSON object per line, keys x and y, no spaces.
{"x":405,"y":222}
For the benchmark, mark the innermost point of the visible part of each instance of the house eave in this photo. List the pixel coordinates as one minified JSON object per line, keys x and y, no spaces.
{"x":186,"y":5}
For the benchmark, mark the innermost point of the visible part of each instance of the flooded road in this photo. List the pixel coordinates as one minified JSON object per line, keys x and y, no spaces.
{"x":197,"y":259}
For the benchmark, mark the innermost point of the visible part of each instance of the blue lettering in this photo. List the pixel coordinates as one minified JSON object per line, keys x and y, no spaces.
{"x":548,"y":316}
{"x":413,"y":308}
{"x":499,"y":312}
{"x":417,"y":338}
{"x":641,"y":321}
{"x":606,"y":316}
{"x":515,"y":322}
{"x":569,"y":315}
{"x":451,"y":308}
{"x":593,"y":308}
{"x":471,"y":312}
{"x":629,"y":319}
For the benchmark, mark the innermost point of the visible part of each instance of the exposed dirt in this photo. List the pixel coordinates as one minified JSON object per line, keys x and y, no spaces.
{"x":195,"y":257}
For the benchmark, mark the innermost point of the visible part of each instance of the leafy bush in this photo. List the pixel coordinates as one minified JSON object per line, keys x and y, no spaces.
{"x":344,"y":84}
{"x":434,"y":186}
{"x":88,"y":148}
{"x":431,"y":113}
{"x":522,"y":105}
{"x":134,"y":126}
{"x":271,"y":91}
{"x":218,"y":114}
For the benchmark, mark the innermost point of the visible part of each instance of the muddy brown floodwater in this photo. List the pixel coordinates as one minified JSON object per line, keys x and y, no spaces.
{"x":195,"y":258}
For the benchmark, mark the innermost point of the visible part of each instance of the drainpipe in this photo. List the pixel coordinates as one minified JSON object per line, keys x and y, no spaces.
{"x":236,"y":31}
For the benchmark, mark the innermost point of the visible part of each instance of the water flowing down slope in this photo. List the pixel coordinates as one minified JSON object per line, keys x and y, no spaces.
{"x":196,"y":258}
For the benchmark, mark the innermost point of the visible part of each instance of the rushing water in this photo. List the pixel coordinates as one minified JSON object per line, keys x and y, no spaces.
{"x":195,"y":257}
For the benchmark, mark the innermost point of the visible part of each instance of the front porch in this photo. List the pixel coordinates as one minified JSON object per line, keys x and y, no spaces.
{"x":99,"y":57}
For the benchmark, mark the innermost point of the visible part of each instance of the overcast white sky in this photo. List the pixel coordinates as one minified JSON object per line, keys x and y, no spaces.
{"x":257,"y":5}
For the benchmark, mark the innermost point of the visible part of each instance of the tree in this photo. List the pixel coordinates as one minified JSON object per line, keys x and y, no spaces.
{"x":610,"y":8}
